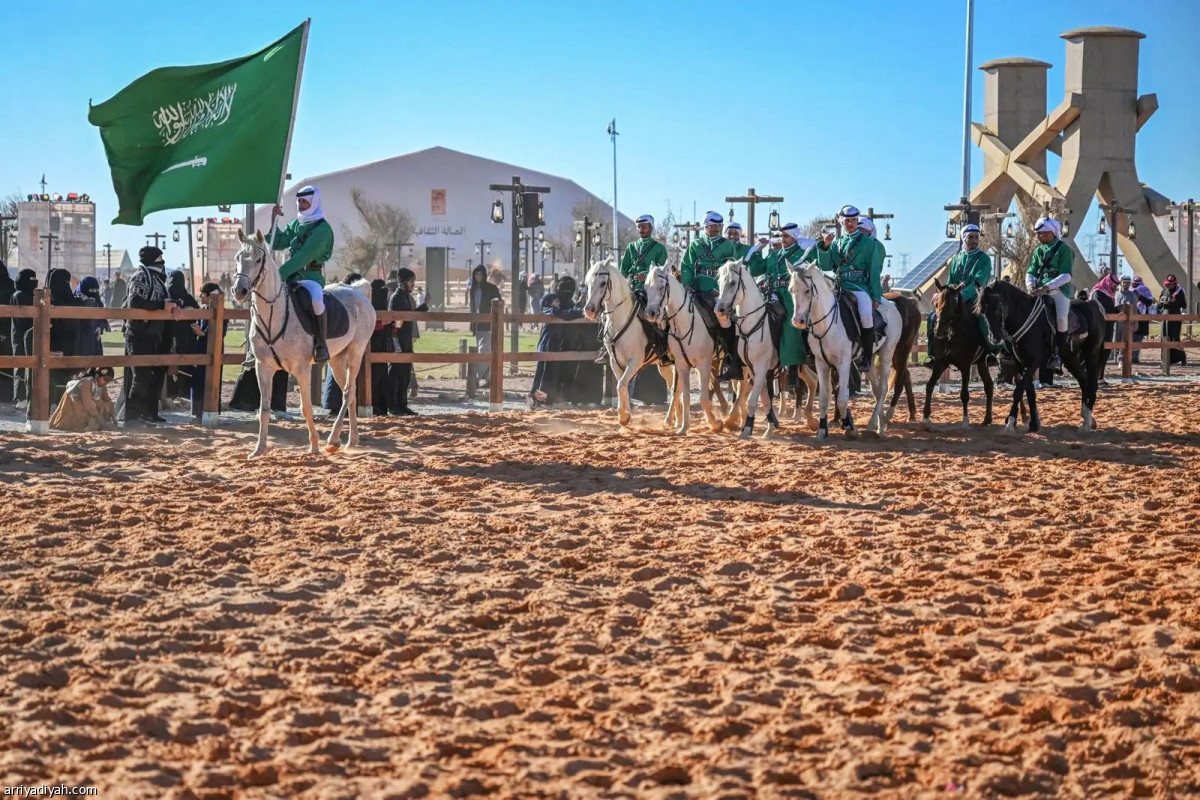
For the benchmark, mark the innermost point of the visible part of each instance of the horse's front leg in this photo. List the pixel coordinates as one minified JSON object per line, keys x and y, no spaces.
{"x":683,"y":390}
{"x":266,"y":377}
{"x":843,"y":399}
{"x":1010,"y":423}
{"x":623,"y":413}
{"x":985,"y":375}
{"x":304,"y":384}
{"x":752,"y":402}
{"x":1035,"y":420}
{"x":823,"y":380}
{"x":668,"y":377}
{"x":881,"y":372}
{"x":768,"y":404}
{"x":964,"y":396}
{"x":934,"y":372}
{"x":738,"y":412}
{"x":810,"y":386}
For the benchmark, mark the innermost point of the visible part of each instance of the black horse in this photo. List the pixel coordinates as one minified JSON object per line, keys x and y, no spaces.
{"x":1025,"y":326}
{"x":1109,"y":306}
{"x":957,"y":342}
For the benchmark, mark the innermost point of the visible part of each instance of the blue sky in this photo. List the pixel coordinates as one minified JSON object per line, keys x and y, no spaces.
{"x":791,"y":98}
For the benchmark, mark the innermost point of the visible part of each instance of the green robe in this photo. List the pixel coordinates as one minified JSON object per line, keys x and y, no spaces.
{"x":702,"y":260}
{"x":311,"y":244}
{"x":638,"y":258}
{"x":776,"y":273}
{"x":1049,"y":261}
{"x":969,"y":267}
{"x":857,"y":259}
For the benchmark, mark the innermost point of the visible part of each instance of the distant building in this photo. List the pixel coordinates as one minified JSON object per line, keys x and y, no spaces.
{"x":446,"y":194}
{"x":216,"y":244}
{"x":57,"y":232}
{"x":116,"y":262}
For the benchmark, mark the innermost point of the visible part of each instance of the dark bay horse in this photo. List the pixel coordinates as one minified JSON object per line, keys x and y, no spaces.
{"x":957,"y":342}
{"x":910,"y":329}
{"x":1025,"y":326}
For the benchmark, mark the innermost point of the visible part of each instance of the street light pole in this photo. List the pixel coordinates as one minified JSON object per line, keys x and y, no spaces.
{"x":189,"y":222}
{"x":4,"y":230}
{"x":51,"y":243}
{"x":966,"y":145}
{"x":108,"y":260}
{"x":752,"y":199}
{"x":612,"y":132}
{"x":515,"y":189}
{"x":1111,"y":212}
{"x":156,"y":237}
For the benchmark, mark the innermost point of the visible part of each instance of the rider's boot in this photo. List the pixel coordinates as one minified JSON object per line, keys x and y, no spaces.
{"x":868,"y":349}
{"x":732,"y":368}
{"x":1060,"y":347}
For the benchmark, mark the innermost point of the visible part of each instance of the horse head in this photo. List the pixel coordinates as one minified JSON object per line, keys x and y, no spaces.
{"x":658,"y":290}
{"x":947,"y":308}
{"x":731,"y":287}
{"x":992,"y":303}
{"x":597,"y":283}
{"x":252,"y":264}
{"x":801,"y":288}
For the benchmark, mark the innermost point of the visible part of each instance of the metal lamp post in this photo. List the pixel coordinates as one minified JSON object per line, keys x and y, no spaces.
{"x":1109,"y":214}
{"x":752,"y":199}
{"x":515,"y":189}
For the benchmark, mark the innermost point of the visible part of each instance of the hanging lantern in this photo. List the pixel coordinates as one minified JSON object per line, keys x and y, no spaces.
{"x":951,"y":232}
{"x":579,"y":238}
{"x":1066,"y":227}
{"x":675,"y":238}
{"x":541,"y":237}
{"x":596,"y":239}
{"x":1012,"y":231}
{"x":773,"y":220}
{"x":1102,"y":228}
{"x":1171,"y":223}
{"x":1132,"y":229}
{"x":175,"y":236}
{"x":200,"y":235}
{"x":498,"y":210}
{"x":887,"y":232}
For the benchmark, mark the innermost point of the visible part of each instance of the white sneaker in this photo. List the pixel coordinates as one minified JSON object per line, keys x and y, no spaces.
{"x":1037,"y":384}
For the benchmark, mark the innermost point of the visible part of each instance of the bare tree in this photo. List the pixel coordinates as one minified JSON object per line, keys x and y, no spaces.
{"x":1017,"y":249}
{"x":383,"y":226}
{"x":601,"y":213}
{"x":813,"y":228}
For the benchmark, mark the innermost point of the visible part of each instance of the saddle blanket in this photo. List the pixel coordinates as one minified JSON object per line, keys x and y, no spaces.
{"x":337,"y":316}
{"x":850,"y":312}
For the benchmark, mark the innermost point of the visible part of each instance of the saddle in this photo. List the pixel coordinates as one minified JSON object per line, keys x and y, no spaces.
{"x":1076,"y":322}
{"x":338,"y":319}
{"x":849,"y":308}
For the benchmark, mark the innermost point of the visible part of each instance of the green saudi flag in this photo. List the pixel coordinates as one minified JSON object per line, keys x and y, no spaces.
{"x":214,"y":134}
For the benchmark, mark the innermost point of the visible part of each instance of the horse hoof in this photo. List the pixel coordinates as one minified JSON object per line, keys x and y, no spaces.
{"x":927,"y":423}
{"x":330,"y":449}
{"x":255,"y":454}
{"x":769,"y":433}
{"x":822,"y":433}
{"x":851,"y":433}
{"x":715,"y":427}
{"x":891,"y":412}
{"x":965,"y":425}
{"x":746,"y":433}
{"x":813,"y":424}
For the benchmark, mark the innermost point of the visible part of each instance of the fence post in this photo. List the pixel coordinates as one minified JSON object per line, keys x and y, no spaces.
{"x":1127,"y":338}
{"x":39,"y":398}
{"x":497,"y":381}
{"x":462,"y":368}
{"x":362,"y":392}
{"x":216,"y":355}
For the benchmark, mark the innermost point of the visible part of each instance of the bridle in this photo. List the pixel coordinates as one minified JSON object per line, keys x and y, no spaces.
{"x":740,"y":292}
{"x":602,"y":306}
{"x":261,"y":260}
{"x":1011,"y":341}
{"x":833,"y":312}
{"x":666,"y":317}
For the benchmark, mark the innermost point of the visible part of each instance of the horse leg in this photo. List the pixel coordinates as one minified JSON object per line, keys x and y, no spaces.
{"x":769,"y":405}
{"x":1035,"y":422}
{"x":964,"y":396}
{"x":683,"y":389}
{"x":733,"y":420}
{"x":823,"y":378}
{"x":810,"y":384}
{"x":1010,"y":423}
{"x":340,"y":365}
{"x":985,"y":375}
{"x":304,"y":384}
{"x":355,"y":367}
{"x":760,"y":378}
{"x":705,"y":369}
{"x":881,"y":374}
{"x":934,"y":372}
{"x":897,"y":386}
{"x":266,"y":375}
{"x":623,"y":414}
{"x":843,"y":399}
{"x":1087,"y":378}
{"x":908,"y":391}
{"x":672,"y":417}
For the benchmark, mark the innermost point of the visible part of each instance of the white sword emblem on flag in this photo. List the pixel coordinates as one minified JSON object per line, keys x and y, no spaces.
{"x":198,"y":161}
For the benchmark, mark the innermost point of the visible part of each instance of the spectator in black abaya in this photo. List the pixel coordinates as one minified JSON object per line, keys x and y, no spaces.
{"x":399,"y":375}
{"x":90,"y":330}
{"x":147,"y":291}
{"x":181,"y":334}
{"x":480,"y":294}
{"x":1173,"y":301}
{"x":22,"y":330}
{"x":7,"y":289}
{"x":64,"y":333}
{"x":552,"y":379}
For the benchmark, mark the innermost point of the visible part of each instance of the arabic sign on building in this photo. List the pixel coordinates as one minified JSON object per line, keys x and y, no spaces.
{"x":435,"y":230}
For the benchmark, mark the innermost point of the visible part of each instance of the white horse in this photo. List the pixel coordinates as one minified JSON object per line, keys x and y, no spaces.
{"x":278,"y":341}
{"x":690,"y":343}
{"x":609,"y":294}
{"x":738,"y":290}
{"x":816,"y":307}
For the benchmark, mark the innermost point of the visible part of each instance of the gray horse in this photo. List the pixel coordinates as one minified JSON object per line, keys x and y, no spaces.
{"x":279,"y":342}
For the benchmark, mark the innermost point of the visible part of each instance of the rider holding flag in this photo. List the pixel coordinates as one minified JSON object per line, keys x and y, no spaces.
{"x":310,"y":239}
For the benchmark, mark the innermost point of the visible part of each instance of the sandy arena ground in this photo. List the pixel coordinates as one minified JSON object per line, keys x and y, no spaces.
{"x":542,"y":605}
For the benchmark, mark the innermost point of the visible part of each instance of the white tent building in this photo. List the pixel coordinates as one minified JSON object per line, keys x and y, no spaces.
{"x":446,"y":194}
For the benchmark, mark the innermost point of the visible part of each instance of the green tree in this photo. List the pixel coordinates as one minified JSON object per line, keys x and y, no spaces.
{"x":374,"y":247}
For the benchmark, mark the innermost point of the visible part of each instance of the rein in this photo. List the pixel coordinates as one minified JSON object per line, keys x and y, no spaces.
{"x":608,"y":312}
{"x":1012,"y":340}
{"x":269,"y":341}
{"x":691,"y":307}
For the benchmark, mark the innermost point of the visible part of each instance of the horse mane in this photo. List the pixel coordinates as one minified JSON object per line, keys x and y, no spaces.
{"x":594,"y":268}
{"x":1006,"y":290}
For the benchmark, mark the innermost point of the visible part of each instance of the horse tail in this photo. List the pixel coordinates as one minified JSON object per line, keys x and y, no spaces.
{"x":363,"y":286}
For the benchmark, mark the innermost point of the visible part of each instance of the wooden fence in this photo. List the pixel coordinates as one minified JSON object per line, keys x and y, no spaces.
{"x":42,"y":361}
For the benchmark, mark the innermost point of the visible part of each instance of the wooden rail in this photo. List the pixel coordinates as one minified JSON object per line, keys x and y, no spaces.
{"x":42,"y":361}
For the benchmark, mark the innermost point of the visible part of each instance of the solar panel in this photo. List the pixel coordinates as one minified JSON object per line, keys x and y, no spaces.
{"x":929,"y":267}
